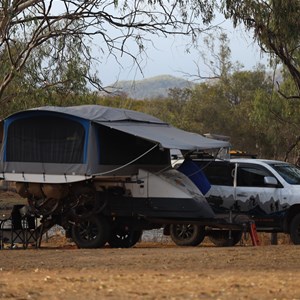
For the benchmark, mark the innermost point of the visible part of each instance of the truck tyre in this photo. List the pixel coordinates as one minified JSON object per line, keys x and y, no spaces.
{"x":91,"y":233}
{"x":187,"y":234}
{"x":295,"y":230}
{"x":221,"y":238}
{"x":121,"y":238}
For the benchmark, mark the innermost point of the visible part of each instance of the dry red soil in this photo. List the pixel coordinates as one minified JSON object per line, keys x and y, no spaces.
{"x":151,"y":271}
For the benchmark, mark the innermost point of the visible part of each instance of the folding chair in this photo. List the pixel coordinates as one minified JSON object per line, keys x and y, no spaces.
{"x":19,"y":228}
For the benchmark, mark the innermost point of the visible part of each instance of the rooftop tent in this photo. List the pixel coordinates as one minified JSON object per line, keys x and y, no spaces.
{"x":141,"y":125}
{"x":43,"y":144}
{"x":63,"y":144}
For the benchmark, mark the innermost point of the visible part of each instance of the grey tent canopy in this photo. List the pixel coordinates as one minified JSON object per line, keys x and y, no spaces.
{"x":140,"y":124}
{"x":63,"y":144}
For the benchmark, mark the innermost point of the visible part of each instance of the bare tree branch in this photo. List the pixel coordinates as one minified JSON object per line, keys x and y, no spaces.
{"x":291,"y":148}
{"x":26,"y":25}
{"x":283,"y":95}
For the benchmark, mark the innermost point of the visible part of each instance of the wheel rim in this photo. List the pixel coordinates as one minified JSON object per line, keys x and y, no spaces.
{"x":124,"y":238}
{"x":88,"y":231}
{"x":122,"y":235}
{"x":184,"y":232}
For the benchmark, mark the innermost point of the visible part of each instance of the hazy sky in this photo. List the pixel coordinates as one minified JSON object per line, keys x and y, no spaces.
{"x":169,"y":57}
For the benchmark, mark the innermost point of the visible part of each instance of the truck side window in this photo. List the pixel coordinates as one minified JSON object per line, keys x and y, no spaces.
{"x":252,"y":176}
{"x":219,"y":173}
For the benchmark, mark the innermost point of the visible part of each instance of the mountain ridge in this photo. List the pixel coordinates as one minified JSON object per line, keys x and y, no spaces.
{"x":149,"y":88}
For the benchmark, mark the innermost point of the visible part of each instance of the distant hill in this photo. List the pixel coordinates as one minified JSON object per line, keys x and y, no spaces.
{"x":150,"y":88}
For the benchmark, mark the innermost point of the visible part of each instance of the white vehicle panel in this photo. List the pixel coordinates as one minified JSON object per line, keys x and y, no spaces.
{"x":44,"y":178}
{"x":267,"y":199}
{"x":171,"y":184}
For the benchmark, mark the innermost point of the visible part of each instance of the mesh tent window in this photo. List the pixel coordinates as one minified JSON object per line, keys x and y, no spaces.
{"x":45,"y":139}
{"x":118,"y":148}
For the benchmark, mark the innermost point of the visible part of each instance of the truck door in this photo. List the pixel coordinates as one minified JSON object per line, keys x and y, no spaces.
{"x":221,"y":196}
{"x":252,"y":193}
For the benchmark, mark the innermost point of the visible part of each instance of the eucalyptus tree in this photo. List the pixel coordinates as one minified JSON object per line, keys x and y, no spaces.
{"x":46,"y":80}
{"x":67,"y":28}
{"x":275,"y":26}
{"x":227,"y":109}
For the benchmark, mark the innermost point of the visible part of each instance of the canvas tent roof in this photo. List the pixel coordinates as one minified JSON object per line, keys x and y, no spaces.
{"x":139,"y":124}
{"x":99,"y":114}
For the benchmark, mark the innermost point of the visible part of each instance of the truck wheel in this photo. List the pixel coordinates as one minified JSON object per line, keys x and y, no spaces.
{"x":187,"y":234}
{"x":295,"y":230}
{"x":91,"y":233}
{"x":122,"y":238}
{"x":221,"y":238}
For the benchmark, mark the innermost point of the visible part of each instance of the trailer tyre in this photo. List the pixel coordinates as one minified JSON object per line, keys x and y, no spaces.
{"x":187,"y":234}
{"x":91,"y":233}
{"x":295,"y":230}
{"x":221,"y":238}
{"x":121,"y":238}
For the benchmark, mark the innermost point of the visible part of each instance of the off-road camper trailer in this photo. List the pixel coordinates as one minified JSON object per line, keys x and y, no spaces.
{"x":102,"y":173}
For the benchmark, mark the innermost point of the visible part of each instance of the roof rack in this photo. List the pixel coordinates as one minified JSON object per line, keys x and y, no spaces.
{"x":238,"y":153}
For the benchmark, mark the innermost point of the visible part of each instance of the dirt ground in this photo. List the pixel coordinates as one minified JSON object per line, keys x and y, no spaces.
{"x":150,"y":270}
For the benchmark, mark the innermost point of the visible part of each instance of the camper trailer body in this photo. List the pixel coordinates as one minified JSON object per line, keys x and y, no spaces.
{"x":104,"y":174}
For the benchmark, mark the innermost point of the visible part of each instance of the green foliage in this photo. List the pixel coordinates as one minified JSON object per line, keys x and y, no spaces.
{"x":171,"y":109}
{"x":53,"y":75}
{"x":238,"y":107}
{"x":226,"y":110}
{"x":244,"y":107}
{"x":49,"y":38}
{"x":278,"y":120}
{"x":276,"y":26}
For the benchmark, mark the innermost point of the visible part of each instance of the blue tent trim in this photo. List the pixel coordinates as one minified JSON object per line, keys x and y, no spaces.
{"x":196,"y":175}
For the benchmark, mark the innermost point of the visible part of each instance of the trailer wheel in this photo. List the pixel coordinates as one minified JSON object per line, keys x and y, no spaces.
{"x":91,"y":233}
{"x":122,"y":238}
{"x":187,"y":234}
{"x":221,"y":238}
{"x":295,"y":230}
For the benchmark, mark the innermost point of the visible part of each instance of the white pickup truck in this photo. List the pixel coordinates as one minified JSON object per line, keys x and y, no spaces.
{"x":268,"y":191}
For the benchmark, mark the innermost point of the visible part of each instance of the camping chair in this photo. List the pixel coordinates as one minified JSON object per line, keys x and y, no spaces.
{"x":19,"y":228}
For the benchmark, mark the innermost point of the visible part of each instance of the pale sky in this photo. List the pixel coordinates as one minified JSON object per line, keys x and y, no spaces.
{"x":168,"y":57}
